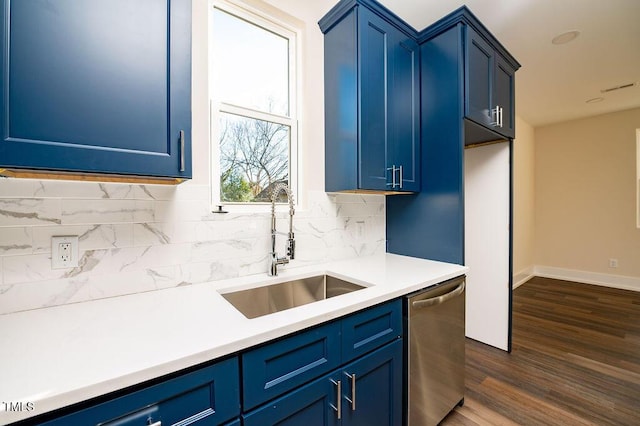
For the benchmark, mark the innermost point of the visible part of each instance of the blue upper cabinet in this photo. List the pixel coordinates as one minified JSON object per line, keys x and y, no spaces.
{"x":489,"y":86}
{"x":96,"y":87}
{"x":372,"y":133}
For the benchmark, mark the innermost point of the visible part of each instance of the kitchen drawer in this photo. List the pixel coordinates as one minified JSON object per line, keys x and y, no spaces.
{"x":209,"y":396}
{"x":278,"y":367}
{"x":370,"y":329}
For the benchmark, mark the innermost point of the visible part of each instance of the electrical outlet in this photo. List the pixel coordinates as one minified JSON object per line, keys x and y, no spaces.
{"x":613,"y":263}
{"x":64,"y":252}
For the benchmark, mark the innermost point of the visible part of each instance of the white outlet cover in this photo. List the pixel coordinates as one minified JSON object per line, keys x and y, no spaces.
{"x":57,"y":259}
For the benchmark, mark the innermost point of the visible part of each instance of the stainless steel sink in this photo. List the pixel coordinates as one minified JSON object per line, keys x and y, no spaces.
{"x":265,"y":300}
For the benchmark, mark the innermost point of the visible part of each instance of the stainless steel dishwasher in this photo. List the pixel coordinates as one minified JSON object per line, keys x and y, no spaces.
{"x":435,"y":352}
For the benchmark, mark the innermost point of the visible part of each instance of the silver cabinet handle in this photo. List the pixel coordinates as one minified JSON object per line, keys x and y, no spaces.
{"x":393,"y":176}
{"x":352,"y":377}
{"x":158,"y":423}
{"x":495,"y":116}
{"x":498,"y":122}
{"x":501,"y":117}
{"x":439,"y":299}
{"x":181,"y":155}
{"x":338,"y":406}
{"x":401,"y":178}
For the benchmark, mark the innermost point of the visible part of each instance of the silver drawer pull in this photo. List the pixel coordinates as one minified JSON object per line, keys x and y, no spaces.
{"x":495,"y":116}
{"x":338,"y":408}
{"x":158,"y":423}
{"x":352,"y":377}
{"x":392,"y":169}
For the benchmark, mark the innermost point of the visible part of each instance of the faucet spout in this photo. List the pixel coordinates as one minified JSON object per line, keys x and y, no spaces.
{"x":291,"y":242}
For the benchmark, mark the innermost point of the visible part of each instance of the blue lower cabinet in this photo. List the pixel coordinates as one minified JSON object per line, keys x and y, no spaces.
{"x":345,"y":372}
{"x":209,"y":396}
{"x":366,"y":392}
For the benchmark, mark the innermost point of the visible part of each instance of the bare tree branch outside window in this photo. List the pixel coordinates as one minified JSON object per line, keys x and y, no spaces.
{"x":254,"y":154}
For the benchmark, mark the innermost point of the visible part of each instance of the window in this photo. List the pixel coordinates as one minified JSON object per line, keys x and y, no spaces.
{"x":253,"y":98}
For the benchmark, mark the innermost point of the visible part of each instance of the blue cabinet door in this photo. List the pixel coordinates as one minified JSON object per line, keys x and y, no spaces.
{"x":373,"y":392}
{"x":479,"y":80}
{"x":404,"y":112}
{"x":375,"y":37}
{"x":389,"y":106}
{"x":505,"y":93}
{"x":98,"y":87}
{"x":314,"y":404}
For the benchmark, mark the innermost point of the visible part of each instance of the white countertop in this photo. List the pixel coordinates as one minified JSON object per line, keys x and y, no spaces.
{"x":58,"y":356}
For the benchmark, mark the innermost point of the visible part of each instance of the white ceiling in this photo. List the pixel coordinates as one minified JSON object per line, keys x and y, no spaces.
{"x":555,"y":80}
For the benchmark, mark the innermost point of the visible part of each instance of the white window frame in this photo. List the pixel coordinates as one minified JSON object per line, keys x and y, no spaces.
{"x":217,"y":106}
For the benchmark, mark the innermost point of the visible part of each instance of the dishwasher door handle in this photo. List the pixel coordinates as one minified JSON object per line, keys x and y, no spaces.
{"x":439,"y":299}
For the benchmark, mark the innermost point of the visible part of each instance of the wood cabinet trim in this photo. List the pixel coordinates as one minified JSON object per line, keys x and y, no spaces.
{"x":88,"y":177}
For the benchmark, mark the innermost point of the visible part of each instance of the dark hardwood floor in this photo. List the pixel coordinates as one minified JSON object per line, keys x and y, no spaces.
{"x":575,"y":360}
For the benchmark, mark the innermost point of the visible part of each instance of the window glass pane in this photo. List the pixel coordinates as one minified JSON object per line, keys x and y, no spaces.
{"x":253,"y":65}
{"x":254,"y":155}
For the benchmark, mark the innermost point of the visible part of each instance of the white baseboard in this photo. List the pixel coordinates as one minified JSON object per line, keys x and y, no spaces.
{"x":605,"y":280}
{"x":523,"y":276}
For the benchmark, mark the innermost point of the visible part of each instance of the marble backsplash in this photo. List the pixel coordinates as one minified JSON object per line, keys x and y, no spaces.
{"x":136,"y":238}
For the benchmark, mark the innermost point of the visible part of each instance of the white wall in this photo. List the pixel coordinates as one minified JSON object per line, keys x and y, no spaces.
{"x":523,"y":201}
{"x":585,"y":193}
{"x":136,"y":238}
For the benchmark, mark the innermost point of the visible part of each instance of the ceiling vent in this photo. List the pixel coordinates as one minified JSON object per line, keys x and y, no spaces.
{"x":622,"y":86}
